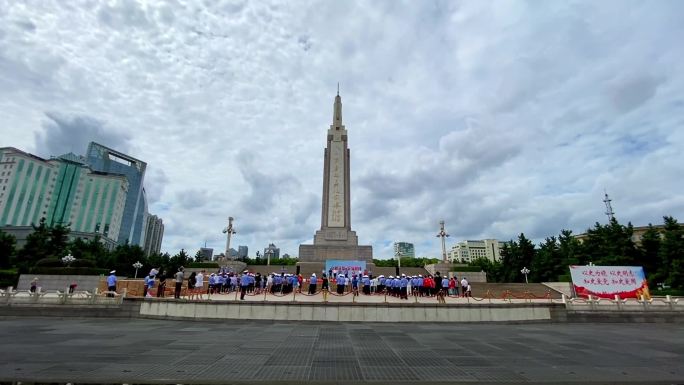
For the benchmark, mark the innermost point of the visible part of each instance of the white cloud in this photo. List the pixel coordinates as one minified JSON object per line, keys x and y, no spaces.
{"x":500,"y":118}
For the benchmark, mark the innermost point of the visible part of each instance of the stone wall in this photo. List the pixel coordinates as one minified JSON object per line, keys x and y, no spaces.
{"x":59,"y":282}
{"x":346,"y":312}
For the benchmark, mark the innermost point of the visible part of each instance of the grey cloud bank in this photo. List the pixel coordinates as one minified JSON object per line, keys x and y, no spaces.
{"x":499,"y":118}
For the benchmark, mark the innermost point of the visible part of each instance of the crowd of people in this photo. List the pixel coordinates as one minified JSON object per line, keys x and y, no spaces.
{"x":248,"y":283}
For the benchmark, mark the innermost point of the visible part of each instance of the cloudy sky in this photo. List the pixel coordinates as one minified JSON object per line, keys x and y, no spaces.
{"x":498,"y":117}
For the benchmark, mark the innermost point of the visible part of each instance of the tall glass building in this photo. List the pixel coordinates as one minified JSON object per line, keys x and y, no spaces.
{"x":104,"y":159}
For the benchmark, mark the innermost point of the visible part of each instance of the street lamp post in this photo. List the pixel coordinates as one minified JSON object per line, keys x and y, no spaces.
{"x":229,"y":231}
{"x":525,"y":271}
{"x":137,"y":265}
{"x":443,"y":234}
{"x":68,"y":259}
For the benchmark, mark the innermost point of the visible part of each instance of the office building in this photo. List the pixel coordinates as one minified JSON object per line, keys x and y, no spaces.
{"x":243,"y":252}
{"x":64,"y":191}
{"x":468,"y":251}
{"x":404,"y":249}
{"x":104,"y":159}
{"x":272,"y":250}
{"x":206,"y":254}
{"x":154,"y":234}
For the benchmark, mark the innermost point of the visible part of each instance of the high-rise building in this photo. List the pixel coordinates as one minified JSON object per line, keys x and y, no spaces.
{"x":243,"y":252}
{"x":404,"y":249}
{"x":63,"y":190}
{"x":468,"y":251}
{"x":154,"y":234}
{"x":206,"y":253}
{"x":272,"y":250}
{"x":104,"y":159}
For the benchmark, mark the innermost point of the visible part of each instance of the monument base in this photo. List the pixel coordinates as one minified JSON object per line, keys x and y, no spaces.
{"x":321,"y":253}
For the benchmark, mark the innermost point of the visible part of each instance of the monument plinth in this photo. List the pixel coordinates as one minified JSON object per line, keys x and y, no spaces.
{"x":335,"y":239}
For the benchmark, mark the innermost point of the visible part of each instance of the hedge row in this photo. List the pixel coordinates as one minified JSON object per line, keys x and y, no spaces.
{"x":56,"y":262}
{"x":206,"y":265}
{"x":9,"y":278}
{"x":467,"y":269}
{"x":69,"y":270}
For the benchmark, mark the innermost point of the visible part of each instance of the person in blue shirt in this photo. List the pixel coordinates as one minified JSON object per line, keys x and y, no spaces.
{"x":366,"y":284}
{"x":149,"y":285}
{"x":244,"y":283}
{"x":381,"y":283}
{"x":403,"y":282}
{"x":111,"y":283}
{"x":355,"y":285}
{"x":340,"y":284}
{"x":312,"y":284}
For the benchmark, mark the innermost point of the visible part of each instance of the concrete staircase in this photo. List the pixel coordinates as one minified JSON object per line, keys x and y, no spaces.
{"x":497,"y":290}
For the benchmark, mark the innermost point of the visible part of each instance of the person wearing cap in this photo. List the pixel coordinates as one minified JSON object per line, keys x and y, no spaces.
{"x":340,"y":283}
{"x":381,"y":283}
{"x":366,"y":284}
{"x":34,"y":285}
{"x":257,"y":283}
{"x":149,"y":285}
{"x":111,"y":283}
{"x":179,"y":282}
{"x":355,"y":285}
{"x":403,"y":283}
{"x":245,"y":280}
{"x":312,"y":284}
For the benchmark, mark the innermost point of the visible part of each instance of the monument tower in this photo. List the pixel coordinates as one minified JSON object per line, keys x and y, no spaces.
{"x":335,"y":239}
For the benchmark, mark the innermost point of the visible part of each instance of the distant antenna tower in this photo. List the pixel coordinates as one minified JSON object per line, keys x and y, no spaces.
{"x":609,"y":208}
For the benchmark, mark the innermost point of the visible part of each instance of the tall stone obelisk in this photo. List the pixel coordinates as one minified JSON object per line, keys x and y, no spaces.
{"x":335,"y":239}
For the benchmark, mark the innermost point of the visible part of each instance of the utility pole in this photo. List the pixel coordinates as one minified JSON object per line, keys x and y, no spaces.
{"x":443,"y":234}
{"x":609,"y":208}
{"x":229,"y":231}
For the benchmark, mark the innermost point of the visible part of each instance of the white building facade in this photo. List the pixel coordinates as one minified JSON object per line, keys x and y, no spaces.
{"x":468,"y":251}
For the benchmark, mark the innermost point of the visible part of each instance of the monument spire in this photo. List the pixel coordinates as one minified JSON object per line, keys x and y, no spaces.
{"x":337,"y":115}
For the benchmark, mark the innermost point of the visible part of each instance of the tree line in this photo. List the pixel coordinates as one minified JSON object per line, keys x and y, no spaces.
{"x":660,"y":252}
{"x":47,"y":245}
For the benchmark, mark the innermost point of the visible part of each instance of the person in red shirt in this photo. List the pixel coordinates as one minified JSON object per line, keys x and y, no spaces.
{"x":452,"y":287}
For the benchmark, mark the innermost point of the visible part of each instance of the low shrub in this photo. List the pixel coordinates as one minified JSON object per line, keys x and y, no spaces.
{"x":205,"y":265}
{"x":69,"y":270}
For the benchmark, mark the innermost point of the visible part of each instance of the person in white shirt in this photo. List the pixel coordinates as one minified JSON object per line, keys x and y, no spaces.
{"x":199,"y":285}
{"x":464,"y":285}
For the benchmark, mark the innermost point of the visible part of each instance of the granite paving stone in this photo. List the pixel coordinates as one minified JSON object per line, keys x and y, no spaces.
{"x":206,"y":352}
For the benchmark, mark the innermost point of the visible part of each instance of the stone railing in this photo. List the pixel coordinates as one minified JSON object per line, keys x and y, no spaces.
{"x":667,"y":303}
{"x":11,"y":297}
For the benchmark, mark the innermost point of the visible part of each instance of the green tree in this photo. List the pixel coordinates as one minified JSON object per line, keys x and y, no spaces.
{"x":650,"y":246}
{"x":37,"y":245}
{"x":492,"y":268}
{"x":124,"y":256}
{"x":611,"y":244}
{"x":548,"y":262}
{"x":7,"y":249}
{"x":671,"y":253}
{"x":178,"y":260}
{"x":515,"y":256}
{"x":59,"y":240}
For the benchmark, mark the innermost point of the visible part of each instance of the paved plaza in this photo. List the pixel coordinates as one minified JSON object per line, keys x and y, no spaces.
{"x":158,"y":351}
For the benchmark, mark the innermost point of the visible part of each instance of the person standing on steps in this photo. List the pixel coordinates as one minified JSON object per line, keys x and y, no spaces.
{"x":111,"y":283}
{"x":179,"y":282}
{"x":312,"y":284}
{"x":245,"y":280}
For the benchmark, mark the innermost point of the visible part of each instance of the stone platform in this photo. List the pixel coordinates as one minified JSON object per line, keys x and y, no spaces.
{"x":321,"y":253}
